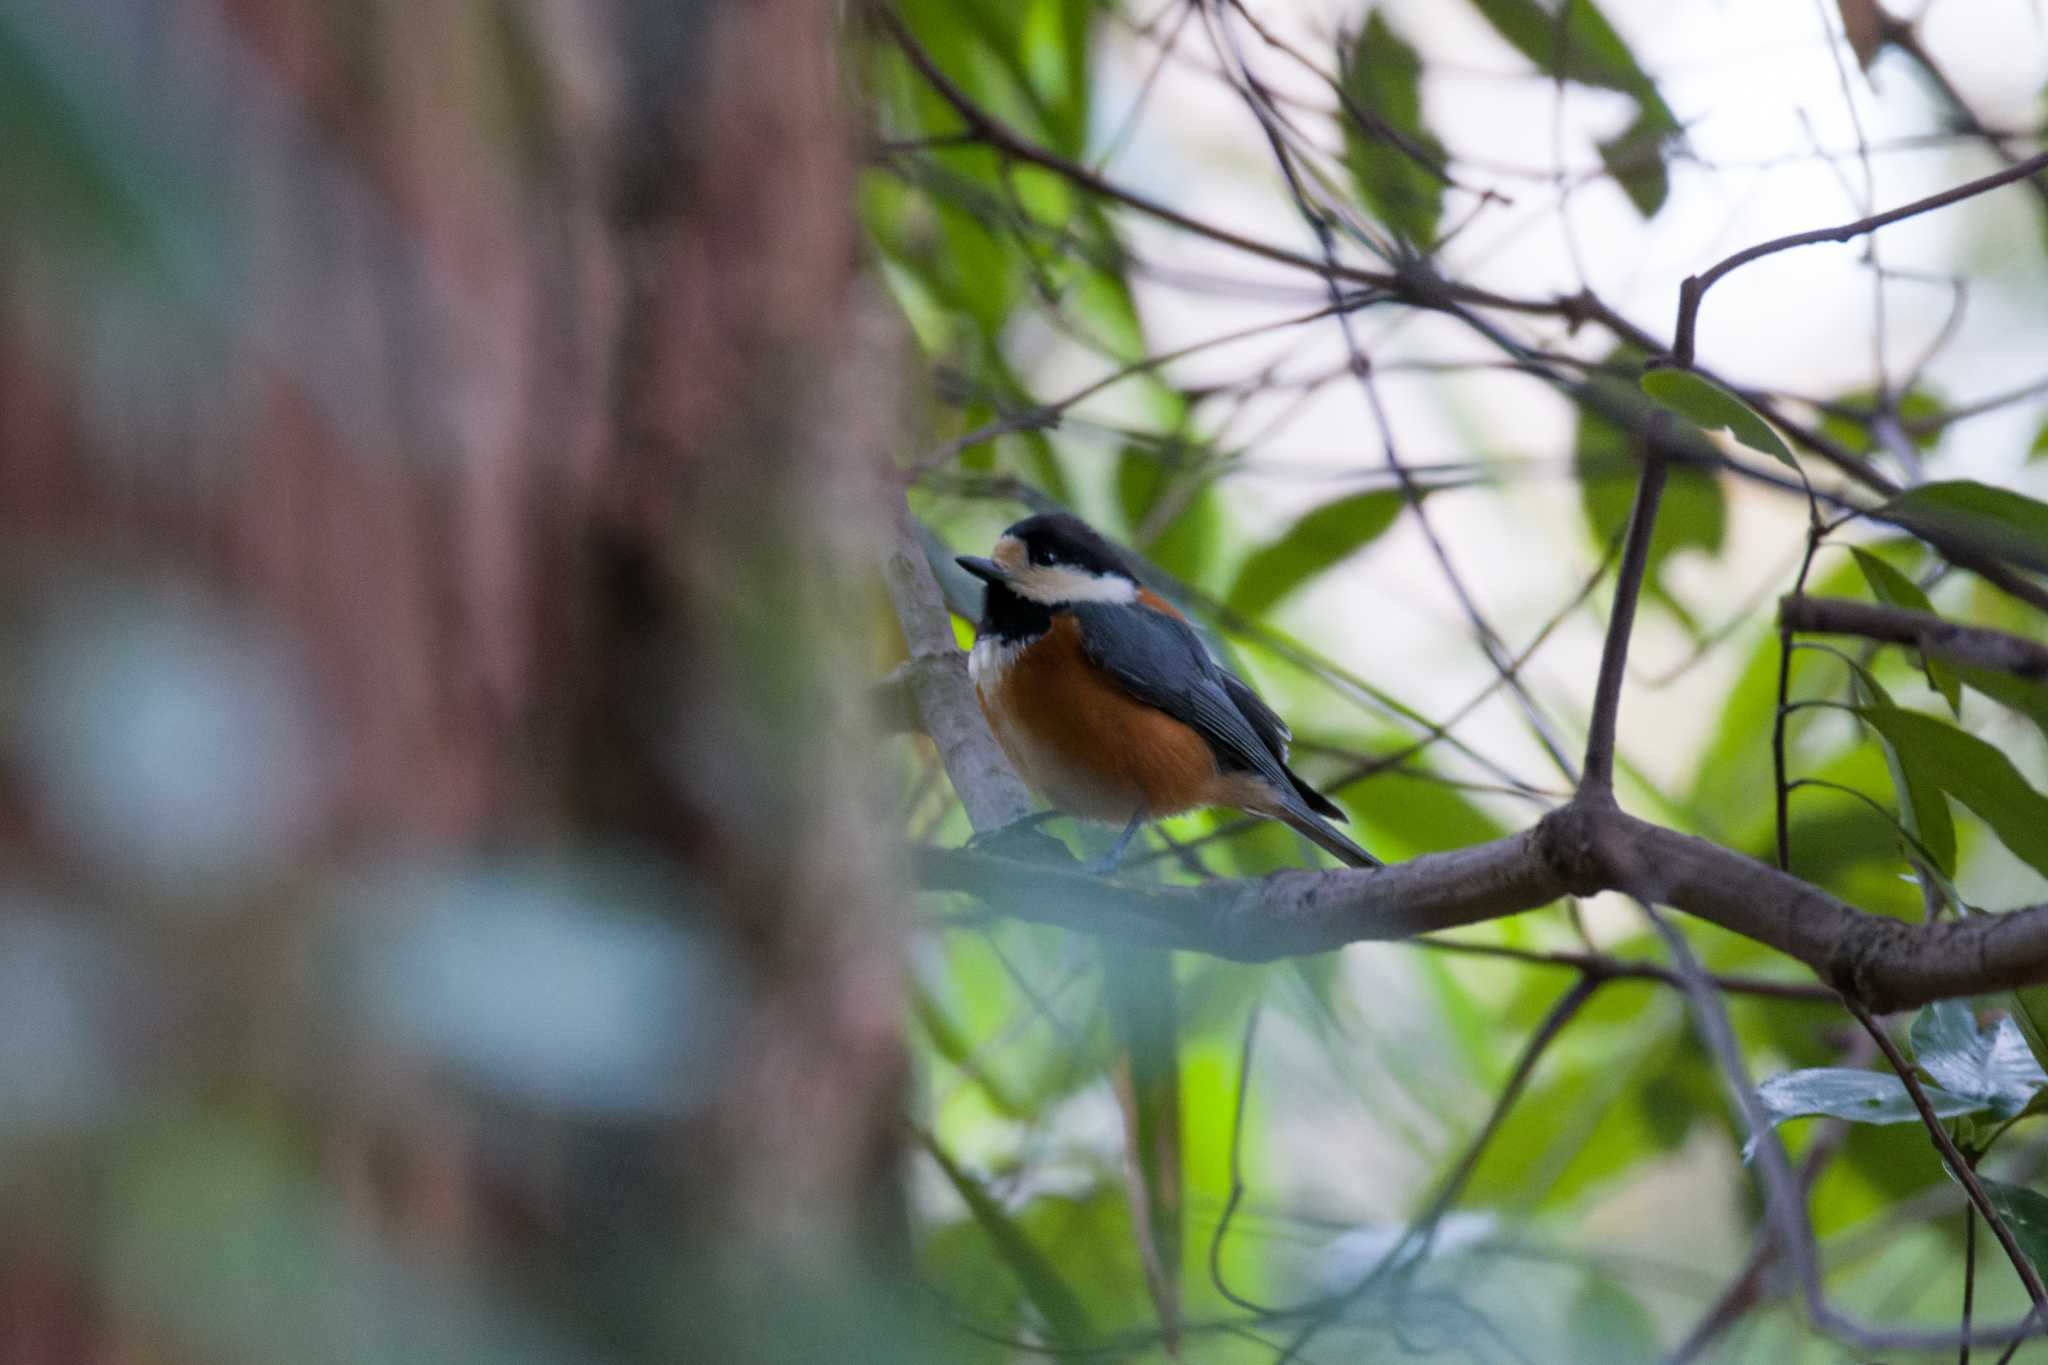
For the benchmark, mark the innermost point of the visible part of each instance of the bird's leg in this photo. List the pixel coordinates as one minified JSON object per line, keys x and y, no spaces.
{"x":1109,"y":861}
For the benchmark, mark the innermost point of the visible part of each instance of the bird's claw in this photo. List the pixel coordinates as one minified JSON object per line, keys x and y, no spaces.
{"x":1022,"y":839}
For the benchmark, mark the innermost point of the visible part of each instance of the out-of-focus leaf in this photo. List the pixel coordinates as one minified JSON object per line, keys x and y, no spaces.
{"x":1707,"y":405}
{"x":1738,"y":757}
{"x":1991,"y":1066}
{"x":1894,"y":589}
{"x":1996,"y":521}
{"x":1859,"y":1096}
{"x":1322,"y":538}
{"x":1917,"y":405}
{"x":1048,"y":1291}
{"x":2039,"y":449}
{"x":1975,"y":773}
{"x":2025,"y":1213}
{"x":1579,"y":44}
{"x":1140,"y":993}
{"x":952,"y":1043}
{"x":1606,"y":1323}
{"x":1584,"y":48}
{"x":1382,"y":79}
{"x":1189,"y":544}
{"x":1634,"y":159}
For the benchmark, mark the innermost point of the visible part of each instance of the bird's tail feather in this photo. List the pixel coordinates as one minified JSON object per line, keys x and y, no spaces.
{"x":1320,"y":832}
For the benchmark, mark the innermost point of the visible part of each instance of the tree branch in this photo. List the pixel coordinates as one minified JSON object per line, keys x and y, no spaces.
{"x":1695,"y":287}
{"x":1993,"y":649}
{"x":1580,"y":849}
{"x":1598,"y":779}
{"x":988,"y":787}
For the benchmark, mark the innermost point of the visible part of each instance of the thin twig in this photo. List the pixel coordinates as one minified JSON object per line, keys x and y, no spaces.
{"x":1598,"y":779}
{"x":1997,"y":650}
{"x":1695,"y":287}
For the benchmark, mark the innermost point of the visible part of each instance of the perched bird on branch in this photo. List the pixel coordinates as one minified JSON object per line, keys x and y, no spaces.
{"x":1108,"y":703}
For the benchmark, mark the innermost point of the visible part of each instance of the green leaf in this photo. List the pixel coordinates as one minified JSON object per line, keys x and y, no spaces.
{"x":1580,"y":45}
{"x":2025,"y":1213}
{"x":1923,"y":808}
{"x":1607,"y":1323}
{"x":1139,"y":992}
{"x":1041,"y":1280}
{"x":1710,"y":407}
{"x":1634,"y":159}
{"x":1894,"y":589}
{"x":2039,"y":449}
{"x":1859,"y":1096}
{"x":1975,"y":773}
{"x":1381,"y":78}
{"x":1322,"y":538}
{"x":1996,"y":521}
{"x":2028,"y":698}
{"x":2030,"y":1012}
{"x":1991,"y":1066}
{"x":1584,"y":48}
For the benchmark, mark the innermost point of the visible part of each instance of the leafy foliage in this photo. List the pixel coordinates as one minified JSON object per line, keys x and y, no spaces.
{"x":1381,"y":85}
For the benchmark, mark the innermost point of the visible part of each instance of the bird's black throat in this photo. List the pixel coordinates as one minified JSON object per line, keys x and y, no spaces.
{"x":1008,"y":616}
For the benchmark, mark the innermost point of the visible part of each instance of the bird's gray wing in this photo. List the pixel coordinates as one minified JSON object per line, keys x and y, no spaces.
{"x":1160,"y":660}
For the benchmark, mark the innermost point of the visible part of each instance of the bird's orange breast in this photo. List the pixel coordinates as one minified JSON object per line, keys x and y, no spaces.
{"x":1086,"y":745}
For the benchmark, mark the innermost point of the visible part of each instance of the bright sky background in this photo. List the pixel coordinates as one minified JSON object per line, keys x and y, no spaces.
{"x":1759,"y":87}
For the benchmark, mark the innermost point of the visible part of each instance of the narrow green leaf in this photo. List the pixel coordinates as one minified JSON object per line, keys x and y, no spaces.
{"x":1894,"y":589}
{"x":1996,"y":521}
{"x":2028,"y":698}
{"x":1707,"y":405}
{"x":1048,"y":1292}
{"x":1322,"y":538}
{"x":1381,"y":78}
{"x":2039,"y":449}
{"x":1975,"y":773}
{"x":1923,"y":808}
{"x":2025,"y":1213}
{"x":1859,"y":1096}
{"x":1991,"y":1066}
{"x":1140,"y":994}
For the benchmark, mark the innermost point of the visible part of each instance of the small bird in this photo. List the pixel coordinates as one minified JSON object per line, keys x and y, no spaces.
{"x":1109,"y":705}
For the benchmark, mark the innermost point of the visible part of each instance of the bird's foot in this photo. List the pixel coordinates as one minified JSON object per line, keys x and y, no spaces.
{"x":1022,"y":839}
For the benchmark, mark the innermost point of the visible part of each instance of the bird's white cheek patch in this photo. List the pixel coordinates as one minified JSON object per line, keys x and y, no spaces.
{"x":1055,"y":583}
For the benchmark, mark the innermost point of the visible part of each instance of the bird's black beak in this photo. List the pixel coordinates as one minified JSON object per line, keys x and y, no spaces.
{"x":987,"y":570}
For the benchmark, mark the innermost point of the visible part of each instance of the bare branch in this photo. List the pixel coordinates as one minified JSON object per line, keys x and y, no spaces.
{"x":1583,"y":848}
{"x":987,"y":786}
{"x":1598,"y":781}
{"x":1993,"y":649}
{"x":1695,"y":287}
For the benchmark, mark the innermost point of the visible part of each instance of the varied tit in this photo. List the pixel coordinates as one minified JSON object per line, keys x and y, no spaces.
{"x":1108,"y":703}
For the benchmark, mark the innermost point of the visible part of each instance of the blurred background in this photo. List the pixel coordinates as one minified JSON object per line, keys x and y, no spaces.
{"x":455,"y":902}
